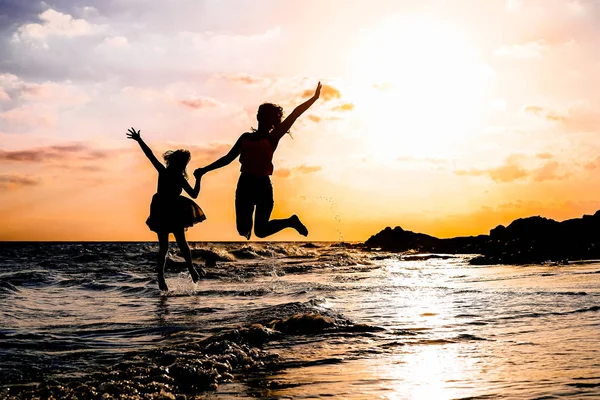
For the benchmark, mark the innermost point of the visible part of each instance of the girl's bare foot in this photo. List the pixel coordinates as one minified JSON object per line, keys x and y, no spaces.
{"x":298,"y":225}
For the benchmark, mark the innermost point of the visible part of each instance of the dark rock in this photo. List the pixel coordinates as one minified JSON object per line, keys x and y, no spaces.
{"x":303,"y":324}
{"x":524,"y":241}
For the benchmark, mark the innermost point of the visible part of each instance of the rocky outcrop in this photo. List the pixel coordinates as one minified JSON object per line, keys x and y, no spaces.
{"x":523,"y":241}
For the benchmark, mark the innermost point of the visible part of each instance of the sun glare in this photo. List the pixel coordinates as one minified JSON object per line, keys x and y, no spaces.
{"x":422,"y":87}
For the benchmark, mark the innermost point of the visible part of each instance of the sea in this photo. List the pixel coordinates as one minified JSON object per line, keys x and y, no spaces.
{"x":297,"y":320}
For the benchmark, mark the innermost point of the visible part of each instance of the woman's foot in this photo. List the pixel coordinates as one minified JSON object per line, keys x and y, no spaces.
{"x":194,"y":274}
{"x":298,"y":225}
{"x":162,"y":283}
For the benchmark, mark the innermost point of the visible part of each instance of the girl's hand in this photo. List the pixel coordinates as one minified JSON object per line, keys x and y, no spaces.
{"x":317,"y":91}
{"x":132,"y":134}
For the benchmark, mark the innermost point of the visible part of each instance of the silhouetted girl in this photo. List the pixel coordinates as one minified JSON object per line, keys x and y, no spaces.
{"x":169,"y":211}
{"x":254,"y":188}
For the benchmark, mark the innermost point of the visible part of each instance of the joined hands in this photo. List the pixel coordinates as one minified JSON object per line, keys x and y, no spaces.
{"x":198,"y":172}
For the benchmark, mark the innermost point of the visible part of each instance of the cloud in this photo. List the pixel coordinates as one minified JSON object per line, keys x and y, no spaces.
{"x":54,"y":23}
{"x":65,"y":152}
{"x":544,"y":156}
{"x":3,"y":95}
{"x":9,"y":182}
{"x":344,"y":107}
{"x":314,"y":118}
{"x":545,"y":113}
{"x":116,"y":41}
{"x":55,"y":93}
{"x":531,"y":50}
{"x":509,"y":172}
{"x":578,"y":117}
{"x":36,"y":105}
{"x":30,"y":116}
{"x":548,"y":171}
{"x":300,"y":169}
{"x":199,"y":103}
{"x":328,"y":92}
{"x":595,"y":164}
{"x":308,"y":169}
{"x":513,"y":170}
{"x":245,"y":79}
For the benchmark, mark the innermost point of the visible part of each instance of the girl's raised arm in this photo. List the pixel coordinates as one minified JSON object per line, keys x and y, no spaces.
{"x":287,"y":123}
{"x":132,"y":134}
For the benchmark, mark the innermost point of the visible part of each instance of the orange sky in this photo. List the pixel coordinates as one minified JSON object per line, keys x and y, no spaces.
{"x":444,"y":117}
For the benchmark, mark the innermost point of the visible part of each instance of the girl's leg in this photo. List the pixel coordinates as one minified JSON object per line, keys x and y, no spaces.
{"x":186,"y":253}
{"x":163,"y":247}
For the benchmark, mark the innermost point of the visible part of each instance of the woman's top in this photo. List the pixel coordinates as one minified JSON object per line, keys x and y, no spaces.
{"x":256,"y":155}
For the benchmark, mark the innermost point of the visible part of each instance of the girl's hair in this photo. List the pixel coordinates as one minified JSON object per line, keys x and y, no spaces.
{"x":178,"y":160}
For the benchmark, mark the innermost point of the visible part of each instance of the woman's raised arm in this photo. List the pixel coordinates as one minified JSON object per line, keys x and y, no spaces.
{"x":287,"y":123}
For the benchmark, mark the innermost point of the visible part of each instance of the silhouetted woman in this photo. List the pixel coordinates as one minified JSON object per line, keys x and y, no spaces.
{"x":169,"y":211}
{"x":254,"y":188}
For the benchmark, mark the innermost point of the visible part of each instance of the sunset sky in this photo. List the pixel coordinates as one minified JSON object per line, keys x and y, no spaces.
{"x":444,"y":117}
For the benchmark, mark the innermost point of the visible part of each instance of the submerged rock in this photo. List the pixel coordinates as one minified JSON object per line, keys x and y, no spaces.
{"x":303,"y":324}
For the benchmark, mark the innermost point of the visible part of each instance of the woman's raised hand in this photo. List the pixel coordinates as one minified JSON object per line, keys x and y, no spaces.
{"x":318,"y":91}
{"x":132,"y":134}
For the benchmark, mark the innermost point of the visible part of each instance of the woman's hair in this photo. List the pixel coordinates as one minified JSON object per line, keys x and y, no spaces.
{"x":178,"y":160}
{"x":269,"y":114}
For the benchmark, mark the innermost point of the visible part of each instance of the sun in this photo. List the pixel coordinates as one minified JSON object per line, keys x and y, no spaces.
{"x":421,"y":87}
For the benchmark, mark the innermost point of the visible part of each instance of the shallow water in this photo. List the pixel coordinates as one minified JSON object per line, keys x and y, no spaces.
{"x":449,"y":330}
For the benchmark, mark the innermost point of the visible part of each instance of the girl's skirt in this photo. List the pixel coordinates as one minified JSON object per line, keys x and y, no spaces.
{"x":173,"y":213}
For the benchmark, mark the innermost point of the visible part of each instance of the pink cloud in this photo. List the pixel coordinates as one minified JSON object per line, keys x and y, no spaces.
{"x":64,"y":152}
{"x":245,"y":79}
{"x":30,"y":116}
{"x":55,"y":23}
{"x":199,"y":103}
{"x":9,"y":182}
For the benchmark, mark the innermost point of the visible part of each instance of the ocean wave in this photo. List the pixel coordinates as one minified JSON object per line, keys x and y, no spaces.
{"x":558,"y":313}
{"x":29,"y":278}
{"x":6,"y":286}
{"x":192,"y":367}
